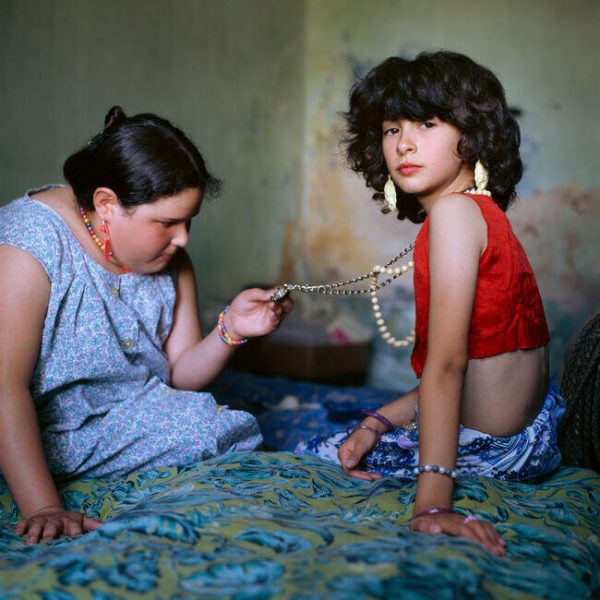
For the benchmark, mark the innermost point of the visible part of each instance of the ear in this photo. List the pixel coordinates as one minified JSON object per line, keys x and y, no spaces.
{"x":105,"y":203}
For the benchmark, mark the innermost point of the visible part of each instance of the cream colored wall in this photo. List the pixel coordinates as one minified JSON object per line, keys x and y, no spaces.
{"x":258,"y":85}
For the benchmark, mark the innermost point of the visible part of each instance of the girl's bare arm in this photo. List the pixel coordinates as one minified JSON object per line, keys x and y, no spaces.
{"x":457,"y":238}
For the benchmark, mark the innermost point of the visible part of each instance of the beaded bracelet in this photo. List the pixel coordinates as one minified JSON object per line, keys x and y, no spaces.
{"x":365,"y":427}
{"x":379,"y":417}
{"x":224,"y":334}
{"x":434,"y":469}
{"x":434,"y":510}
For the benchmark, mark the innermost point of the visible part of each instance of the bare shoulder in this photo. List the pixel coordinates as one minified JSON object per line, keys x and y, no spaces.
{"x":14,"y":260}
{"x":458,"y":216}
{"x":22,"y":277}
{"x":455,"y":206}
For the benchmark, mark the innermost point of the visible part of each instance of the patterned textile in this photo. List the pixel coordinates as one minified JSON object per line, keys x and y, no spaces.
{"x":290,"y":411}
{"x":282,"y":526}
{"x":531,"y":453}
{"x":101,"y":382}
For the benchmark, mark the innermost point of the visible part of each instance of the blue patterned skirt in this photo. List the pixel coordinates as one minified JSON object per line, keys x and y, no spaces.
{"x":527,"y":455}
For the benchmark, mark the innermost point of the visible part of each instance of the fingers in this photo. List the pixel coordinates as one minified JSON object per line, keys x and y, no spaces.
{"x":350,"y":456}
{"x":480,"y":532}
{"x":90,"y":524}
{"x":49,"y":527}
{"x":486,"y":535}
{"x":347,"y":456}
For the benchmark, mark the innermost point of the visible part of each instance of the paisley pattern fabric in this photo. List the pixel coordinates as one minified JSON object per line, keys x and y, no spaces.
{"x":282,"y":526}
{"x":529,"y":454}
{"x":101,"y":381}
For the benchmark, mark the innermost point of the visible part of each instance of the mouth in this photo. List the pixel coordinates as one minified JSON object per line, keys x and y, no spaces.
{"x":408,"y":168}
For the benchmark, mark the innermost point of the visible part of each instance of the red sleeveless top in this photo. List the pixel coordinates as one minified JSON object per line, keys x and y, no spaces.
{"x":507,"y":313}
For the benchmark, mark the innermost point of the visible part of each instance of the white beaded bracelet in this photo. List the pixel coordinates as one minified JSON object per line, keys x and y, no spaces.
{"x":434,"y":469}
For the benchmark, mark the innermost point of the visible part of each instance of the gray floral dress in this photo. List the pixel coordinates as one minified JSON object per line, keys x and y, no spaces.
{"x":101,"y":381}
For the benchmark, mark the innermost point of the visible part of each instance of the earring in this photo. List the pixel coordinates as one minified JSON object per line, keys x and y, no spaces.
{"x":107,"y":250}
{"x":389,"y":194}
{"x":481,"y":179}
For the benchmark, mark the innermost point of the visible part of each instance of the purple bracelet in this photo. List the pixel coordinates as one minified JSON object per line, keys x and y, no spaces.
{"x":366,"y":427}
{"x":379,"y":417}
{"x":434,"y":510}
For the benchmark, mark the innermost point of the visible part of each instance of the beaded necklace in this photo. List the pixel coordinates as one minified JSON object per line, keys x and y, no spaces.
{"x":104,"y":246}
{"x":339,"y":289}
{"x":91,"y":230}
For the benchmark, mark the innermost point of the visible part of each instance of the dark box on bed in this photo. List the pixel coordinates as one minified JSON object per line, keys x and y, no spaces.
{"x":340,"y":364}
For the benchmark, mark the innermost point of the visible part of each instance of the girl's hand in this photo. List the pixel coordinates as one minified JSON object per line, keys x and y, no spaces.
{"x":52,"y":522}
{"x":480,"y":532}
{"x":353,"y":450}
{"x":252,"y":313}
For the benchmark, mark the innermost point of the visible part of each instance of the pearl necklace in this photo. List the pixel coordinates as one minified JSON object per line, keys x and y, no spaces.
{"x":338,"y":289}
{"x":91,"y":230}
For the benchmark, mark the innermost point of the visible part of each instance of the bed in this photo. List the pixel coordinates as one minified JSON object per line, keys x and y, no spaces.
{"x":272,"y":524}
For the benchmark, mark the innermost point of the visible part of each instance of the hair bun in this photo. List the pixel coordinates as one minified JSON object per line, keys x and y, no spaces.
{"x":115,"y":115}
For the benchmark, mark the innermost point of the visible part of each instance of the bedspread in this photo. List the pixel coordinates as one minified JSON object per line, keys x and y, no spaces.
{"x":261,"y":525}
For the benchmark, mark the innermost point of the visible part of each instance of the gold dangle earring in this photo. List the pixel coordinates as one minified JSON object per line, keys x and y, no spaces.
{"x":481,"y":179}
{"x":389,"y":194}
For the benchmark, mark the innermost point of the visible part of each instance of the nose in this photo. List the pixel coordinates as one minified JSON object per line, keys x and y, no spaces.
{"x":182,"y":236}
{"x":406,"y":141}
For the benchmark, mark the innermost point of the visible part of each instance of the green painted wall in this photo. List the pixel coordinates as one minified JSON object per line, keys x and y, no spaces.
{"x":229,"y":72}
{"x":258,"y":84}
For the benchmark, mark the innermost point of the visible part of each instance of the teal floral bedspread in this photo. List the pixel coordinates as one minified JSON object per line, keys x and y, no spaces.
{"x":251,"y":526}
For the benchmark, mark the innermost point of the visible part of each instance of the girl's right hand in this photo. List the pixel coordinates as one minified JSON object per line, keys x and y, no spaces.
{"x":353,"y":450}
{"x":52,"y":522}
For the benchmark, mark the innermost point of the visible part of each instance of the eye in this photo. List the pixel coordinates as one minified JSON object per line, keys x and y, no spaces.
{"x":428,"y":124}
{"x":390,"y":131}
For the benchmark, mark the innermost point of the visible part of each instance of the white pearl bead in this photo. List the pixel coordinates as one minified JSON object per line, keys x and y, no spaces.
{"x":382,"y":328}
{"x":374,"y":300}
{"x":411,"y":264}
{"x":397,"y":271}
{"x":377,"y":269}
{"x":380,"y":322}
{"x":386,"y":335}
{"x":378,"y":315}
{"x":390,"y":271}
{"x":404,"y":268}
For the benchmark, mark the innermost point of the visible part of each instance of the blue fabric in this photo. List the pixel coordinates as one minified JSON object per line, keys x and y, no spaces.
{"x":525,"y":456}
{"x":101,"y":382}
{"x":277,"y":526}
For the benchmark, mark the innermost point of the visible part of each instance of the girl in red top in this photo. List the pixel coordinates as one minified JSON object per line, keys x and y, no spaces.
{"x":437,"y":134}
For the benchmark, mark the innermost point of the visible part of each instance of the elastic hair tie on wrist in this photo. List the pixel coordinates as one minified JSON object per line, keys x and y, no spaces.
{"x":434,"y":469}
{"x":376,"y":415}
{"x":224,"y":334}
{"x":352,"y":429}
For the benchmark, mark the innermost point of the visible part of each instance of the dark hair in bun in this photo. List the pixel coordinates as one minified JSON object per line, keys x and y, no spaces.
{"x":141,"y":158}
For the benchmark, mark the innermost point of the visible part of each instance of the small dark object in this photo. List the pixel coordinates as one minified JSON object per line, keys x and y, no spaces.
{"x":579,"y":430}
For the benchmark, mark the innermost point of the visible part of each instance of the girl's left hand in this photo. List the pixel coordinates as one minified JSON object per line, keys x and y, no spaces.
{"x":252,"y":313}
{"x":480,"y":532}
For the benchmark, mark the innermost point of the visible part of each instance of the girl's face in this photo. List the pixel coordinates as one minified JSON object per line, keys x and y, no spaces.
{"x":147,"y":237}
{"x":422,"y":158}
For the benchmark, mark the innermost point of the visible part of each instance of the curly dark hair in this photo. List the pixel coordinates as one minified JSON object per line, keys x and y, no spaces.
{"x":446,"y":85}
{"x":141,"y":158}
